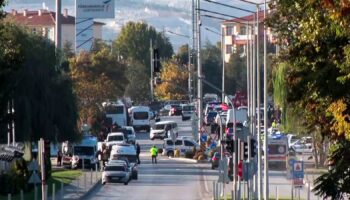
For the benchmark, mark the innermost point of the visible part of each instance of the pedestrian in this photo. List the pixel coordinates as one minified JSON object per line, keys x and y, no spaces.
{"x":138,"y":150}
{"x":154,"y":154}
{"x":59,"y":158}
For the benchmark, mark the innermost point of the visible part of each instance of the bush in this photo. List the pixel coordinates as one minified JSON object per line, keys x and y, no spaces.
{"x":16,"y":179}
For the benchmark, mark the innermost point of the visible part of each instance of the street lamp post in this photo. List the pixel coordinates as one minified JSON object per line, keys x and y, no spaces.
{"x":199,"y":65}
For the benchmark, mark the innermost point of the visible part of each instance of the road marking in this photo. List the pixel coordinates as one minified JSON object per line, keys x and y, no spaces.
{"x":205,"y":183}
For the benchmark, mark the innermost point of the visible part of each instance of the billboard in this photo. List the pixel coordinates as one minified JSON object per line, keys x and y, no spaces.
{"x":83,"y":34}
{"x":94,"y":8}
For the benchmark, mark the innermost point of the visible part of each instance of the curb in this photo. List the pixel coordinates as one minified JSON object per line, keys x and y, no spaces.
{"x":188,"y":160}
{"x":87,"y":193}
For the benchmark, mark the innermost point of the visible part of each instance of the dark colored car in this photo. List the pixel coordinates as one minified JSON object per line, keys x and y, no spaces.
{"x":176,"y":110}
{"x":210,"y":118}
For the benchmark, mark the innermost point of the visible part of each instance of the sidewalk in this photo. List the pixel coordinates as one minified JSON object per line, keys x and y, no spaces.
{"x":78,"y":188}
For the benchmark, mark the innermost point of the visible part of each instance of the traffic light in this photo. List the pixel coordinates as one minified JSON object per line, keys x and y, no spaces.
{"x":253,"y":149}
{"x":245,"y":150}
{"x":230,"y":147}
{"x":156,"y":61}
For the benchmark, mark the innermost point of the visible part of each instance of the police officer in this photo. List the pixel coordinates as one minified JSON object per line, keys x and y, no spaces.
{"x":154,"y":154}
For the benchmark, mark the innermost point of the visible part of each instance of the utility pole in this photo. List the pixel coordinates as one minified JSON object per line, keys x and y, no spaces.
{"x":223,"y":63}
{"x":194,"y":42}
{"x":266,"y":168}
{"x":152,"y":69}
{"x":200,"y":86}
{"x":58,"y":25}
{"x":189,"y":73}
{"x":258,"y":103}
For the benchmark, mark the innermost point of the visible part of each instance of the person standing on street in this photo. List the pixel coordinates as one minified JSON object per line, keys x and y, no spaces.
{"x":138,"y":150}
{"x":154,"y":153}
{"x":59,"y":158}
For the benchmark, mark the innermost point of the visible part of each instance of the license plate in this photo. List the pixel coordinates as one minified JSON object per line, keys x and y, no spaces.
{"x":115,"y":178}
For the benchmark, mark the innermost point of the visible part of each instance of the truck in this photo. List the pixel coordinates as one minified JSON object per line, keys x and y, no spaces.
{"x":80,"y":155}
{"x":140,"y":118}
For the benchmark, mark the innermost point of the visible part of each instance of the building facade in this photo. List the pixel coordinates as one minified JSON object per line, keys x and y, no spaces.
{"x":42,"y":22}
{"x":236,"y":34}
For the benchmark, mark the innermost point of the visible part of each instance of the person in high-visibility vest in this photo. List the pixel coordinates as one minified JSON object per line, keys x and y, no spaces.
{"x":154,"y":154}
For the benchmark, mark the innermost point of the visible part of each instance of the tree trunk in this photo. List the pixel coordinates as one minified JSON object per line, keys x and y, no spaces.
{"x":316,"y":152}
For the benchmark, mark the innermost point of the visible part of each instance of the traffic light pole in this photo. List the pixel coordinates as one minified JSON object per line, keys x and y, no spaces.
{"x":199,"y":64}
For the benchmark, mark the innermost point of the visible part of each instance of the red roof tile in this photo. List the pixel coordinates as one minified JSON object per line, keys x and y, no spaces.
{"x":47,"y":18}
{"x":247,"y":18}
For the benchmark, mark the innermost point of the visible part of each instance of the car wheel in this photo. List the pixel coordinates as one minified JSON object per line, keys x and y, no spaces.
{"x":136,"y":177}
{"x":126,"y":183}
{"x":152,"y":138}
{"x":170,"y":153}
{"x":103,"y":183}
{"x":212,"y":166}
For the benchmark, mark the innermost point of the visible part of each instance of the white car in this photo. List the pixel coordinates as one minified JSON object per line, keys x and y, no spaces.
{"x":116,"y":173}
{"x":162,"y":129}
{"x":115,"y":138}
{"x":184,"y":144}
{"x":302,"y":146}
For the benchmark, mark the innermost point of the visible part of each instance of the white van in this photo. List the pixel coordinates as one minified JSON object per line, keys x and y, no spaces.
{"x":184,"y":144}
{"x":140,"y":117}
{"x":241,"y":115}
{"x":161,"y":129}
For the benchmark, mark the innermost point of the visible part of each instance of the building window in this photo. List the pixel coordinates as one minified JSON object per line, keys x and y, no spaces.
{"x":243,"y":30}
{"x":229,"y":30}
{"x":228,"y":49}
{"x":34,"y":30}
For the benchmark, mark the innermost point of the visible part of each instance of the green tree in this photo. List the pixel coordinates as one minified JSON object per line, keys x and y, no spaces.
{"x":97,"y":77}
{"x":174,"y":84}
{"x":236,"y":74}
{"x":212,"y":66}
{"x":133,"y":43}
{"x":138,"y":77}
{"x":314,"y":36}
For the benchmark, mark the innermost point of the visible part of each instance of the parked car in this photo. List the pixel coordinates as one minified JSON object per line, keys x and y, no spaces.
{"x":116,"y":172}
{"x":187,"y":111}
{"x":176,"y":110}
{"x":303,"y":146}
{"x":131,"y":166}
{"x":184,"y":144}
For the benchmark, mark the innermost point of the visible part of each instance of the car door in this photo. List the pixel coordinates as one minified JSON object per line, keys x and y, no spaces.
{"x":188,"y":145}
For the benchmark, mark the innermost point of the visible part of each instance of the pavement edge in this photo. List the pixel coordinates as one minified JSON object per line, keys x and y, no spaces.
{"x":87,"y":193}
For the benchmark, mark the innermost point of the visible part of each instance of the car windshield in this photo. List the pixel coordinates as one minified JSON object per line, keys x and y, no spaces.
{"x":159,"y":126}
{"x":129,"y":131}
{"x":116,"y":138}
{"x":112,"y":109}
{"x":188,"y":108}
{"x":80,"y":150}
{"x":114,"y":168}
{"x":140,"y":115}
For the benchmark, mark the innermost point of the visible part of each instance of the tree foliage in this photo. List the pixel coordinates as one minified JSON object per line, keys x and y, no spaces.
{"x":138,"y":88}
{"x":133,"y":43}
{"x":315,"y":38}
{"x":212,"y":66}
{"x":43,"y":100}
{"x":236,"y":74}
{"x":174,"y":82}
{"x":97,"y":77}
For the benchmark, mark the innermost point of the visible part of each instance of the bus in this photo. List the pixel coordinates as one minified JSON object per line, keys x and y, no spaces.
{"x":117,"y":112}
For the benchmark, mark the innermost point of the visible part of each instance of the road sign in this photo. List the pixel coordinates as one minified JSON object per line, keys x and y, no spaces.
{"x":298,"y":169}
{"x":34,"y":178}
{"x":33,"y":166}
{"x":249,"y":169}
{"x":223,"y":176}
{"x":298,"y":182}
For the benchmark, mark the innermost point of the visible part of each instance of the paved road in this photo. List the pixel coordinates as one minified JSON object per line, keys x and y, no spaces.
{"x":173,"y":179}
{"x":169,"y":179}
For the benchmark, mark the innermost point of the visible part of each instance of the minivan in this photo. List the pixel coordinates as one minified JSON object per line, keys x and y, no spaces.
{"x":161,"y":129}
{"x":184,"y":144}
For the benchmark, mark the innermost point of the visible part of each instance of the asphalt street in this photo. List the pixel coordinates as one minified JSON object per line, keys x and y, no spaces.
{"x":173,"y":179}
{"x":169,"y":179}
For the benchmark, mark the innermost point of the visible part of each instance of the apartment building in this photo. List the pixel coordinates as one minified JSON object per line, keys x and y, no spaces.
{"x":42,"y":22}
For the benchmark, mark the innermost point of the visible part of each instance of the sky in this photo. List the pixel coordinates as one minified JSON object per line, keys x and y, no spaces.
{"x":164,"y":15}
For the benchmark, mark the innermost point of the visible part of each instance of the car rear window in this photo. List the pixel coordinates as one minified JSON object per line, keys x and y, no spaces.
{"x":114,"y":168}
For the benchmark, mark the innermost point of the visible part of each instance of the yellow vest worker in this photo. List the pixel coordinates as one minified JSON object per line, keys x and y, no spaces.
{"x":154,"y":153}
